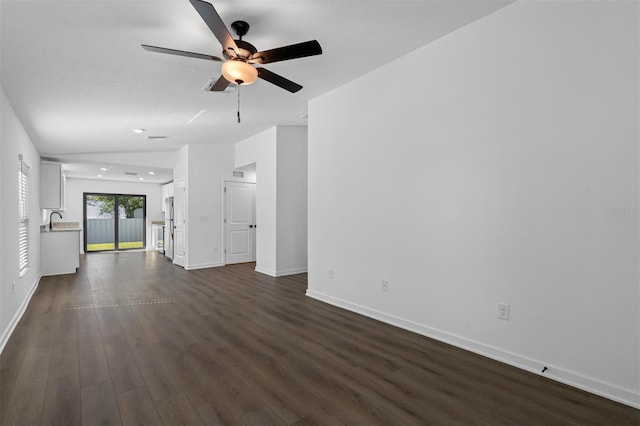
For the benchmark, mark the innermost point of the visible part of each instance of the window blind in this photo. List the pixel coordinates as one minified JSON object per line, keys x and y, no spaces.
{"x":23,"y":215}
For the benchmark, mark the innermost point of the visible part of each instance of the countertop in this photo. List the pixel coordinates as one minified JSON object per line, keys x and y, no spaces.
{"x":62,"y":227}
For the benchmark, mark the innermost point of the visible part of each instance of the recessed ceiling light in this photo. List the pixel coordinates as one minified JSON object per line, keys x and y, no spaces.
{"x":138,"y":130}
{"x":104,"y":169}
{"x":98,"y":175}
{"x":140,"y":178}
{"x":152,"y":173}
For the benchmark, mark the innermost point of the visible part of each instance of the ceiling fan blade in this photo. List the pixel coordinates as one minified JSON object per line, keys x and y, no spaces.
{"x":180,"y":53}
{"x":293,"y":51}
{"x":219,"y":85}
{"x":214,"y":22}
{"x":278,"y":80}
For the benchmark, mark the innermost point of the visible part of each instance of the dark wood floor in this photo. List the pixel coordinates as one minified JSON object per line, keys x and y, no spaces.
{"x":131,"y":339}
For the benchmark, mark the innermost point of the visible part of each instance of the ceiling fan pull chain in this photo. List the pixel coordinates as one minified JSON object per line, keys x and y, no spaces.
{"x":238,"y":103}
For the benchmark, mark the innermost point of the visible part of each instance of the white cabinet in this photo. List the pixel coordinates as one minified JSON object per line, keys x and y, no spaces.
{"x":167,"y":191}
{"x":52,"y":186}
{"x":59,"y":252}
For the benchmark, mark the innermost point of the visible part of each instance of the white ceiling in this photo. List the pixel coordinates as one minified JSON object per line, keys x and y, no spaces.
{"x":120,"y":172}
{"x":78,"y":79}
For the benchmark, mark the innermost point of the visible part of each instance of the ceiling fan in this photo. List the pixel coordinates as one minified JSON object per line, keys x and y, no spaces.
{"x":241,"y":56}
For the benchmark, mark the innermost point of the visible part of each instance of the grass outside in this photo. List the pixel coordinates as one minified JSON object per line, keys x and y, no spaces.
{"x":112,"y":246}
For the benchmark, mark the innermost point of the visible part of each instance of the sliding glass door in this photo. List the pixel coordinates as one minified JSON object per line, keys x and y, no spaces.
{"x":114,"y":222}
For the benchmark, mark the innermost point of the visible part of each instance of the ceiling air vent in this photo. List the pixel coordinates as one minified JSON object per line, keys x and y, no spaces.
{"x":229,"y":89}
{"x":238,"y":174}
{"x":131,"y":173}
{"x":156,"y":138}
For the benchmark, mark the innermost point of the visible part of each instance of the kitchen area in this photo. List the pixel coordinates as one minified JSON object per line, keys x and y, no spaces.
{"x":162,"y":230}
{"x":63,"y":208}
{"x":59,"y":240}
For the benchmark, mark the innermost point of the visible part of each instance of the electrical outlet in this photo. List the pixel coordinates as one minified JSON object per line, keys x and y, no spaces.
{"x":503,"y":311}
{"x":384,"y":285}
{"x":13,"y":287}
{"x":330,"y":273}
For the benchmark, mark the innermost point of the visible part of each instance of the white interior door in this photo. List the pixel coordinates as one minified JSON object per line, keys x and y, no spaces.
{"x":179,"y":224}
{"x":240,"y":225}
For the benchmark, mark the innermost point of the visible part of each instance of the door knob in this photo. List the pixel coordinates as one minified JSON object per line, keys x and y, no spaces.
{"x":250,"y":226}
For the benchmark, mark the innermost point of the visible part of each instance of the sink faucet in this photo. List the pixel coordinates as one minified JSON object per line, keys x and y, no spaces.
{"x":51,"y":221}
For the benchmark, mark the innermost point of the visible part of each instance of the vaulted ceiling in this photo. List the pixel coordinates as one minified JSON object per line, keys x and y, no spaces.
{"x":78,"y":79}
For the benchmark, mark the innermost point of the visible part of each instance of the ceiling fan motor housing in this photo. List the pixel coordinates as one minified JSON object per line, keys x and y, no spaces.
{"x":245,"y":50}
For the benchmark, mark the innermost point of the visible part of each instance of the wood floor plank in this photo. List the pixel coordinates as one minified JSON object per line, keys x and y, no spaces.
{"x":177,"y":410}
{"x":122,"y":365}
{"x":132,"y":338}
{"x":87,"y":319}
{"x":92,"y":360}
{"x":159,"y":378}
{"x":64,"y":356}
{"x":137,"y":408}
{"x":99,"y":406}
{"x":125,"y":375}
{"x":215,"y":415}
{"x":108,"y":321}
{"x":27,"y":399}
{"x":10,"y":363}
{"x":62,"y":403}
{"x":262,"y":416}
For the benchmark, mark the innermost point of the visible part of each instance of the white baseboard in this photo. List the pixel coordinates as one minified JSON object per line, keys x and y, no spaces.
{"x":281,"y":272}
{"x":285,"y":272}
{"x":203,"y":265}
{"x":265,"y":271}
{"x":571,"y":378}
{"x":6,"y":334}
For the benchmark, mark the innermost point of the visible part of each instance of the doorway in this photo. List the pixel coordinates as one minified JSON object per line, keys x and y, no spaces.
{"x":114,"y":222}
{"x":240,"y":223}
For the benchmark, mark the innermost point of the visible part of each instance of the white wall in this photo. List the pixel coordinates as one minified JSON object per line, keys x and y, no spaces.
{"x":181,"y":164}
{"x":504,"y":170}
{"x":208,"y":166}
{"x":77,"y":187}
{"x":261,"y":150}
{"x":280,"y":158}
{"x":14,"y":140}
{"x":292,"y":200}
{"x":204,"y":168}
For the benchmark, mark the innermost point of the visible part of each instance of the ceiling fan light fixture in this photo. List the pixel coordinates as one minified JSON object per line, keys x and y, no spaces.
{"x":239,"y":72}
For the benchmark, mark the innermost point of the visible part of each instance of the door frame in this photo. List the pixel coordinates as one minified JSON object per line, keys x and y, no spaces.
{"x":116,"y":220}
{"x":182,"y":259}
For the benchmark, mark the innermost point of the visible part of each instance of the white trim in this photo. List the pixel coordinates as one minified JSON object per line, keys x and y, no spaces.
{"x":285,"y":272}
{"x":203,"y":265}
{"x":6,"y":335}
{"x":607,"y":390}
{"x":265,"y":271}
{"x":280,"y":273}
